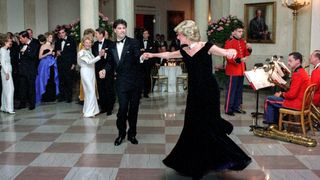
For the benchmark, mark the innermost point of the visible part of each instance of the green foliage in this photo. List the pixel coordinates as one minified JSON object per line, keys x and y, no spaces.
{"x":219,"y":31}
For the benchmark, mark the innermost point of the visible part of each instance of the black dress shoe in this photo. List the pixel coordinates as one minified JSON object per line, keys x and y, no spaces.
{"x":69,"y":101}
{"x":118,"y":141}
{"x":230,"y":113}
{"x":61,"y":99}
{"x":146,"y":96}
{"x":21,"y":106}
{"x":133,"y":140}
{"x":32,"y":107}
{"x":109,"y":113}
{"x":102,"y":111}
{"x":240,"y":111}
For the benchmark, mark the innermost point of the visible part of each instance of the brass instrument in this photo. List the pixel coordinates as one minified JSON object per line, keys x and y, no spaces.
{"x":273,"y":133}
{"x":276,"y":70}
{"x":315,"y":116}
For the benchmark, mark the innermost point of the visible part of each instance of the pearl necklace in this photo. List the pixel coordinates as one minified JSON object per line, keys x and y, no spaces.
{"x":192,"y":45}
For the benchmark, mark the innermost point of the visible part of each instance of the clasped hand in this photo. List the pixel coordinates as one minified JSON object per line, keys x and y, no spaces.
{"x":102,"y":74}
{"x":146,"y":56}
{"x":231,"y":53}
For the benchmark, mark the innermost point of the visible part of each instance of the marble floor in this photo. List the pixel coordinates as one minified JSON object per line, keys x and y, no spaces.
{"x":55,"y":142}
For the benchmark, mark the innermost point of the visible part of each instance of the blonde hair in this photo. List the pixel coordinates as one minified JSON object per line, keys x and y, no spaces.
{"x":47,"y":34}
{"x":87,"y":37}
{"x":189,"y":29}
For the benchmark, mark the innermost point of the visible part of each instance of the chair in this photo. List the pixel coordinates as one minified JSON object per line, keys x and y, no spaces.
{"x":304,"y":115}
{"x":157,"y":79}
{"x":182,"y":79}
{"x":315,"y":116}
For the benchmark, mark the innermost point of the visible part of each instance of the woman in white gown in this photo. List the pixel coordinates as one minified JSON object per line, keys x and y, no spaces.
{"x":86,"y":61}
{"x":6,"y":76}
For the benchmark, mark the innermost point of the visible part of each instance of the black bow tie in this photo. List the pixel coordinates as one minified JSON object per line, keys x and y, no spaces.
{"x":121,"y":41}
{"x":100,"y":42}
{"x":145,"y":40}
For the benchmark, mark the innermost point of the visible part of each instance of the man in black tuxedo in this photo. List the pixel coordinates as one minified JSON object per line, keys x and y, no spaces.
{"x":27,"y":70}
{"x":30,"y":32}
{"x":105,"y":85}
{"x":66,"y":51}
{"x":123,"y":60}
{"x":147,"y":45}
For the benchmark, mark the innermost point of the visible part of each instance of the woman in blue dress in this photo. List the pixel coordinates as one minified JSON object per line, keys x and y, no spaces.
{"x":203,"y":145}
{"x":47,"y":81}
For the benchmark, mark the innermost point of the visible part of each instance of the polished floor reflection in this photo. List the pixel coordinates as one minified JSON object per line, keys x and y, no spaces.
{"x":55,"y":142}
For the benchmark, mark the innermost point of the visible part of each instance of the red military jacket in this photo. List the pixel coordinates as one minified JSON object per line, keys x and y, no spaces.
{"x":315,"y":78}
{"x":233,"y":68}
{"x":299,"y":83}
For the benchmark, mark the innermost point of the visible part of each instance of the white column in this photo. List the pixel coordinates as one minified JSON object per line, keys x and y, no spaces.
{"x":201,"y":10}
{"x":42,"y":19}
{"x":315,"y":26}
{"x":125,"y":10}
{"x":89,"y":17}
{"x":3,"y":16}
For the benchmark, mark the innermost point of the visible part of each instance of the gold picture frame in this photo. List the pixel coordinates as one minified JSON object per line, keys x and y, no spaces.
{"x":260,"y":22}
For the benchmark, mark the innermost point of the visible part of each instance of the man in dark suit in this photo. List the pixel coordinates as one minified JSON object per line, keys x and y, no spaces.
{"x":123,"y":60}
{"x":105,"y":85}
{"x":147,"y":45}
{"x":66,"y":51}
{"x":30,"y":32}
{"x":27,"y":70}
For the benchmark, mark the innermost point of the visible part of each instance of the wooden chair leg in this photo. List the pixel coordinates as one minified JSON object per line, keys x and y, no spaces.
{"x":302,"y":125}
{"x":177,"y":84}
{"x":280,"y":121}
{"x":310,"y":123}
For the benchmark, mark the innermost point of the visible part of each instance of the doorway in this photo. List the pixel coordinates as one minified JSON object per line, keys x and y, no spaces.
{"x":144,"y":21}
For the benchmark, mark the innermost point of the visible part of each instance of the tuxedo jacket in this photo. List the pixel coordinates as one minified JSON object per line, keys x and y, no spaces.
{"x":28,"y":60}
{"x":127,"y":68}
{"x":69,"y":53}
{"x":150,"y":48}
{"x":95,"y":51}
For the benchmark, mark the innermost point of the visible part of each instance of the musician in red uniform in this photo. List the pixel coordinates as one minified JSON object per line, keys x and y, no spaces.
{"x":292,"y":99}
{"x":235,"y":70}
{"x":315,"y":76}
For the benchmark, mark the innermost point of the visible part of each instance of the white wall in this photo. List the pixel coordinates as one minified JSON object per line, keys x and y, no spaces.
{"x":283,"y":45}
{"x":15,"y":18}
{"x":41,"y":16}
{"x":62,"y":12}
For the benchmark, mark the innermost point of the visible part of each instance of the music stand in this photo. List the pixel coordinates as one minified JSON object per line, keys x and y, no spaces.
{"x":258,"y":79}
{"x":257,"y":113}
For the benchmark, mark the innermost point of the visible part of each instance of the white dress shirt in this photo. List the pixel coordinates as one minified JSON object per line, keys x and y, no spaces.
{"x":120,"y":48}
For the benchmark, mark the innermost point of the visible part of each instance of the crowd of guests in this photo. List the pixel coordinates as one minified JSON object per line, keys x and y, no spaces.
{"x":44,"y":69}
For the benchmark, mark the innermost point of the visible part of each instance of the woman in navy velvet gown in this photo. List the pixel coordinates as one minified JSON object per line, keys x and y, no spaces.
{"x":203,"y":145}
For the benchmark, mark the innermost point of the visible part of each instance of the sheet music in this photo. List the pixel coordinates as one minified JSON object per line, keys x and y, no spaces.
{"x":258,"y":78}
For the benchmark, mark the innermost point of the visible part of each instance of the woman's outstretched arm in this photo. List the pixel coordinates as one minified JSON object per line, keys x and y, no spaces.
{"x":229,"y":53}
{"x":164,"y":55}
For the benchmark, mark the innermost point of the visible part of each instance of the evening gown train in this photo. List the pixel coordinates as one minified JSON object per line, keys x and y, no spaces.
{"x":203,"y":145}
